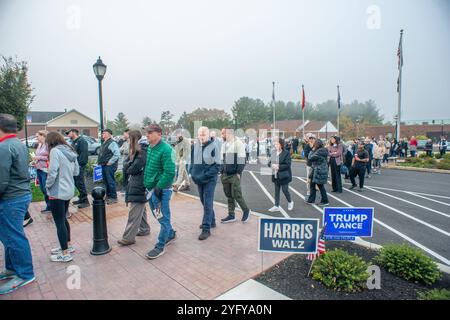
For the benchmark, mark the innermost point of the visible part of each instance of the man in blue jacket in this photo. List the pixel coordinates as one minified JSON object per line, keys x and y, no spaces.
{"x":15,"y":196}
{"x":204,"y":169}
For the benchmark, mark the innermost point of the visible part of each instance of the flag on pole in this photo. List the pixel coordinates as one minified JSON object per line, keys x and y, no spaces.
{"x":339,"y":98}
{"x":400,"y":59}
{"x":400,"y":54}
{"x":320,"y":246}
{"x":273,"y":93}
{"x":303,"y":98}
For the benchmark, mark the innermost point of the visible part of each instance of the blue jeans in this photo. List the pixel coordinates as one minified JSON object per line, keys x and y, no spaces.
{"x":17,"y":248}
{"x":206,"y":192}
{"x":109,"y":179}
{"x":166,"y":230}
{"x":42,"y":178}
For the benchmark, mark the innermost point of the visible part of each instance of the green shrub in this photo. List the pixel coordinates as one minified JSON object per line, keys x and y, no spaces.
{"x":119,"y":177}
{"x":421,"y":137}
{"x":408,"y":262}
{"x":413,"y":160}
{"x":437,"y":156}
{"x":444,"y":165}
{"x":90,"y":168}
{"x":424,"y":155}
{"x":340,"y":270}
{"x":446,"y":156}
{"x":435,"y":294}
{"x":296,"y":156}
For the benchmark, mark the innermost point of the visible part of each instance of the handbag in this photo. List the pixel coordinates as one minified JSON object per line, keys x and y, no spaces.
{"x":344,"y":169}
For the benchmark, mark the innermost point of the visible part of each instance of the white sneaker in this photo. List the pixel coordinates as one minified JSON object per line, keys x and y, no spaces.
{"x":56,"y":251}
{"x":274,"y":209}
{"x":291,"y":205}
{"x":308,"y":193}
{"x":61,"y":257}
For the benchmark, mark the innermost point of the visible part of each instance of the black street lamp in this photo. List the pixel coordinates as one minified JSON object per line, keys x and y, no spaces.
{"x":99,"y":71}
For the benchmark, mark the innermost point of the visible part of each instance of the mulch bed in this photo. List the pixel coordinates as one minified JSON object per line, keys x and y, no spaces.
{"x":289,"y":278}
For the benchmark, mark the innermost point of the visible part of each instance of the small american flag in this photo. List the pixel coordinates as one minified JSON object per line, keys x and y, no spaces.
{"x":320,"y":246}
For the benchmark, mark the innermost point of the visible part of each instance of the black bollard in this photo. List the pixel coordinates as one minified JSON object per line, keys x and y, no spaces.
{"x":100,"y":245}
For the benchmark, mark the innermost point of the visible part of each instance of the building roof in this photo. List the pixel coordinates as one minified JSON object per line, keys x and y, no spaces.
{"x":43,"y":116}
{"x":297,"y":126}
{"x":283,"y":125}
{"x":71,"y":111}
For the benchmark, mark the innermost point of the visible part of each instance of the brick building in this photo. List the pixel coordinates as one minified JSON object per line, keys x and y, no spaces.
{"x":60,"y":122}
{"x":433,"y":131}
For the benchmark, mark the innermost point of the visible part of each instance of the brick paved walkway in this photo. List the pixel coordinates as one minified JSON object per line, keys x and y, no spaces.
{"x":190,"y":269}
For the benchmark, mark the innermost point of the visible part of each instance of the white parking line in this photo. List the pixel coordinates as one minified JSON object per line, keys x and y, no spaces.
{"x":401,"y":213}
{"x":404,"y":191}
{"x":407,"y":201}
{"x":412,"y":241}
{"x":268,"y":194}
{"x":304,"y":198}
{"x":434,"y":200}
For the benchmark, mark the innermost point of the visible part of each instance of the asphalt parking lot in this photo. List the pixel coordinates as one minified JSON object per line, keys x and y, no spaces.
{"x":412,"y":207}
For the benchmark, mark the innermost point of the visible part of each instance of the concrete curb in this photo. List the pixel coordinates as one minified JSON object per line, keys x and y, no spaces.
{"x":418,"y":169}
{"x":252,"y":290}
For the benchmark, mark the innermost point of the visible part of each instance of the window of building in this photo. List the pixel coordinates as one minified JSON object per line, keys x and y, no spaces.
{"x":74,"y":121}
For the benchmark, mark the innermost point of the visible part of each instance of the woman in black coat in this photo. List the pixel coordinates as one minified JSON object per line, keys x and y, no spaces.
{"x":319,"y":175}
{"x":280,"y":162}
{"x":134,"y":166}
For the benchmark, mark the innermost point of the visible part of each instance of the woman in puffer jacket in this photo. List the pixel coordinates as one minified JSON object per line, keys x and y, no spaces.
{"x":319,"y":174}
{"x":134,"y":166}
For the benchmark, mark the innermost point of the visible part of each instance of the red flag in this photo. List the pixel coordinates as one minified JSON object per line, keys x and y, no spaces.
{"x":303,"y":98}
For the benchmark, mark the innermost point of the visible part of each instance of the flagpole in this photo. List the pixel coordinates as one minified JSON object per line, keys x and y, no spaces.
{"x":303,"y":110}
{"x":273,"y":103}
{"x":339,"y":112}
{"x":399,"y":110}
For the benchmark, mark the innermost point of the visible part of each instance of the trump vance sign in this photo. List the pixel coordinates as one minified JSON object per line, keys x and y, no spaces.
{"x":348,"y":223}
{"x":288,"y":235}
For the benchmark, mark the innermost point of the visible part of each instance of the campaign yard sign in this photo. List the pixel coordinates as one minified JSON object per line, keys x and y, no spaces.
{"x":97,"y":173}
{"x":348,"y":223}
{"x":288,"y":235}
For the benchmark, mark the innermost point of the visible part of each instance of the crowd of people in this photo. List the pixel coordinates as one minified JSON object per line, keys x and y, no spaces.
{"x":152,"y":171}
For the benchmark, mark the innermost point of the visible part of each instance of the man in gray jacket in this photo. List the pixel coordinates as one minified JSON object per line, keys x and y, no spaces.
{"x":15,"y":197}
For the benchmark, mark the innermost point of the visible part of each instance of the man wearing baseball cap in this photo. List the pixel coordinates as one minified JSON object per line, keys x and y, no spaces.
{"x":81,"y":148}
{"x":108,"y":158}
{"x":159,"y":174}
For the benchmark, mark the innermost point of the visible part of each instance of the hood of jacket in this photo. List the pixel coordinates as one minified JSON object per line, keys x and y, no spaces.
{"x":68,"y":152}
{"x":323,"y":152}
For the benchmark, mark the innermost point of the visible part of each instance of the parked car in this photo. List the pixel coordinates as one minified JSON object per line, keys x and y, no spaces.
{"x":32,"y":142}
{"x":93,"y":145}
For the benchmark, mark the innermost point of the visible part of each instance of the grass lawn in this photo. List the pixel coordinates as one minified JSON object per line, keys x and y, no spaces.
{"x":37,"y":194}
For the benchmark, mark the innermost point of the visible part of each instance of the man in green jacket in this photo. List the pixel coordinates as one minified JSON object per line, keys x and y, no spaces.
{"x":158,"y":178}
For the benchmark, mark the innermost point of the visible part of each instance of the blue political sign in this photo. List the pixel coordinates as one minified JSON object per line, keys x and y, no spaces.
{"x":288,"y":235}
{"x":97,"y":173}
{"x":348,"y":223}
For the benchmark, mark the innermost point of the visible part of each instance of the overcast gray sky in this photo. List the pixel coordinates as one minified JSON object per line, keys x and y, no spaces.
{"x":180,"y":55}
